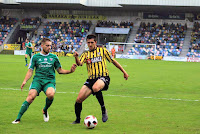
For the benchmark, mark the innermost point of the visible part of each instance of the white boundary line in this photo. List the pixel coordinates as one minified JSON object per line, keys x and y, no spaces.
{"x":115,"y":95}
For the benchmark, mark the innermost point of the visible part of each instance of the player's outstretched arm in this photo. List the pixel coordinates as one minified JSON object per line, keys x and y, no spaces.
{"x":30,"y":47}
{"x":121,"y":68}
{"x":62,"y":71}
{"x":78,"y":62}
{"x":27,"y":77}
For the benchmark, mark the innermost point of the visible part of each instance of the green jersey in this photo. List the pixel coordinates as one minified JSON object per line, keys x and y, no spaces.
{"x":45,"y":66}
{"x":28,"y":50}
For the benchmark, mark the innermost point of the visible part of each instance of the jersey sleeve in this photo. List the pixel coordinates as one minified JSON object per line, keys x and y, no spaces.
{"x":83,"y":58}
{"x":57,"y":63}
{"x":32,"y":63}
{"x":108,"y":55}
{"x":30,"y":45}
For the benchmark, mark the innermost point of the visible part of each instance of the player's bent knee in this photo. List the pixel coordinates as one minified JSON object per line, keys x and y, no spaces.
{"x":96,"y":88}
{"x":30,"y":98}
{"x":50,"y":95}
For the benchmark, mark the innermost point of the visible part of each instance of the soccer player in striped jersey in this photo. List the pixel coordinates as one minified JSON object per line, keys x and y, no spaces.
{"x":45,"y":65}
{"x":98,"y":76}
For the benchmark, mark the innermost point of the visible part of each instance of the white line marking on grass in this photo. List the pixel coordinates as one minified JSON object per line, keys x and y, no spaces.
{"x":115,"y":95}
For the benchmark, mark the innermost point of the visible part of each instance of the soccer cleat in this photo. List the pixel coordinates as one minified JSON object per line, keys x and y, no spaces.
{"x":26,"y":65}
{"x":105,"y":117}
{"x":45,"y":116}
{"x":16,"y":122}
{"x":76,"y":122}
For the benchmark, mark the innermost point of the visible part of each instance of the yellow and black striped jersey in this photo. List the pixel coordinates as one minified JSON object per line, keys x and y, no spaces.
{"x":96,"y":62}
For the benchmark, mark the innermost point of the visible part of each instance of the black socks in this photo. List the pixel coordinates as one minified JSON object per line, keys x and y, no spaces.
{"x":78,"y":108}
{"x":99,"y":97}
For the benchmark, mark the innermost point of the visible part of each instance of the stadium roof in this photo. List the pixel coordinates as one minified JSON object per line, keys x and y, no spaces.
{"x":131,"y":5}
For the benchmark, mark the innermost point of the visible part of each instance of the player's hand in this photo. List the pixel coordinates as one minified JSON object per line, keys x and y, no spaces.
{"x":73,"y":68}
{"x":23,"y":83}
{"x":126,"y":76}
{"x":75,"y":54}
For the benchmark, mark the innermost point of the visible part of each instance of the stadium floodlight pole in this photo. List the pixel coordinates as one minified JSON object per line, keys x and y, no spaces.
{"x":123,"y":43}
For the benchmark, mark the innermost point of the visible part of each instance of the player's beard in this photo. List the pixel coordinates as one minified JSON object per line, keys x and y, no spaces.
{"x":46,"y":51}
{"x":92,"y":48}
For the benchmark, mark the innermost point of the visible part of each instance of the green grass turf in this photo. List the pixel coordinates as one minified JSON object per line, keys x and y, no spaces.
{"x":144,"y":104}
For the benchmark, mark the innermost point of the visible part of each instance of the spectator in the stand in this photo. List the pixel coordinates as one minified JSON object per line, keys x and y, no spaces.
{"x":82,"y":30}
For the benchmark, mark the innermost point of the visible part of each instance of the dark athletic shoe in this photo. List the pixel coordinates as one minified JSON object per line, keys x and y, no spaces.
{"x":76,"y":122}
{"x":105,"y":117}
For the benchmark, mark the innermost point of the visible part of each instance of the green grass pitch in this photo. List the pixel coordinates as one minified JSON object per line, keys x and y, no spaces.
{"x":159,"y":97}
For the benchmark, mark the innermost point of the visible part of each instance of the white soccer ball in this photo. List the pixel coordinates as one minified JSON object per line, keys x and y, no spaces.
{"x":90,"y":121}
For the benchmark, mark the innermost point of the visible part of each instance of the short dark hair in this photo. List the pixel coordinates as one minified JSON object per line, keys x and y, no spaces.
{"x":45,"y":39}
{"x":92,"y":36}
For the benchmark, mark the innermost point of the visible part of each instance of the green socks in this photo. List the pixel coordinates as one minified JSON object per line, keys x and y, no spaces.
{"x":23,"y":109}
{"x":25,"y":106}
{"x":48,"y":104}
{"x":26,"y":60}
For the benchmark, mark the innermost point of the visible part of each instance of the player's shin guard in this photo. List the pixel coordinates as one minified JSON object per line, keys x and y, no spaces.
{"x":23,"y":109}
{"x":99,"y":97}
{"x":78,"y":108}
{"x":48,"y":104}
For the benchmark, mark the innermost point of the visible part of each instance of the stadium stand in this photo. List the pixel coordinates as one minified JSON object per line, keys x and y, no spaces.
{"x":108,"y":37}
{"x":169,"y":39}
{"x":113,"y":24}
{"x":67,"y":36}
{"x":6,"y":25}
{"x":31,"y":21}
{"x":194,"y":49}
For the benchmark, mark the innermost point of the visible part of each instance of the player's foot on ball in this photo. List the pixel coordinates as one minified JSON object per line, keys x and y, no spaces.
{"x":105,"y":117}
{"x":16,"y":122}
{"x":76,"y":122}
{"x":45,"y":116}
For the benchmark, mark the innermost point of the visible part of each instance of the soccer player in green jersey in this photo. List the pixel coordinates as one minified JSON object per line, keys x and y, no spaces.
{"x":29,"y":48}
{"x":45,"y":65}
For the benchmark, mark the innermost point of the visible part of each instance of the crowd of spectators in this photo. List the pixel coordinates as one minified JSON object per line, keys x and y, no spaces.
{"x":193,"y":53}
{"x":66,"y":36}
{"x":161,"y":34}
{"x":31,"y":21}
{"x":6,"y":25}
{"x":194,"y":49}
{"x":150,"y":50}
{"x":169,"y":38}
{"x":113,"y":24}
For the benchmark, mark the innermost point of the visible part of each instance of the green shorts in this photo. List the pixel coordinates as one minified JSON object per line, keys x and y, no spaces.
{"x":42,"y":85}
{"x":29,"y":54}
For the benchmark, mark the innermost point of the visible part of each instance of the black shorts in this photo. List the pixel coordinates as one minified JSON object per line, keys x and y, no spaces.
{"x":90,"y":82}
